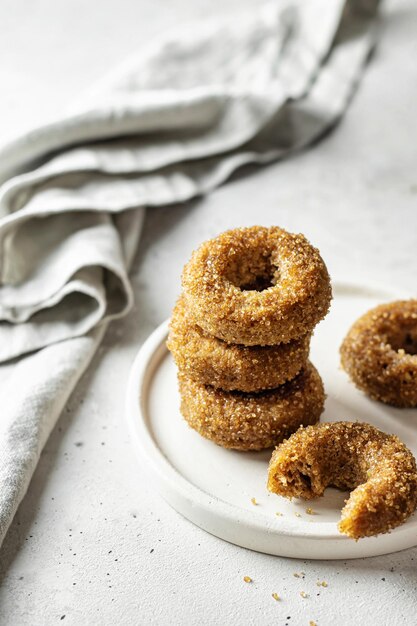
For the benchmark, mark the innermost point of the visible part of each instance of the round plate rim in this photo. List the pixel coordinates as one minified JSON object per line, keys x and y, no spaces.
{"x":170,"y":480}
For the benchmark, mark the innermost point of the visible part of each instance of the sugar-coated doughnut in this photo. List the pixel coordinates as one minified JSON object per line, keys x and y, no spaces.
{"x":211,"y":361}
{"x":380,"y":353}
{"x":252,"y":421}
{"x":257,"y":286}
{"x":377,"y":468}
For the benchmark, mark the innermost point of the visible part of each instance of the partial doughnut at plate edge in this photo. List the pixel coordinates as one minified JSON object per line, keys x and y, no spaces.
{"x":253,"y":421}
{"x":379,"y":353}
{"x":378,"y":469}
{"x":212,"y":361}
{"x":257,"y":286}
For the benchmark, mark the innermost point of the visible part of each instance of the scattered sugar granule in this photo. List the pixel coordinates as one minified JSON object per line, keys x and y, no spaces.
{"x":297,"y":514}
{"x":276,"y":596}
{"x":254,"y":501}
{"x":247,"y":579}
{"x":278,"y":514}
{"x":321,"y":583}
{"x":310,"y":511}
{"x":312,"y":623}
{"x":303,"y":594}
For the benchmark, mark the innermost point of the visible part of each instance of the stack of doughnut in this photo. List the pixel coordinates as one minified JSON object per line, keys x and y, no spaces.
{"x":240,"y":336}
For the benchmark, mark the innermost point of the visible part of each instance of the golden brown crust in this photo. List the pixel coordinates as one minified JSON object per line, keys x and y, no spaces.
{"x":380,"y":353}
{"x":252,"y":421}
{"x":378,"y":467}
{"x":257,"y":286}
{"x":211,"y":361}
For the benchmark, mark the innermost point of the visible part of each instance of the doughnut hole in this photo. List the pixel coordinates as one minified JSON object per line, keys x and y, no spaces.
{"x":252,"y":269}
{"x":404,"y":339}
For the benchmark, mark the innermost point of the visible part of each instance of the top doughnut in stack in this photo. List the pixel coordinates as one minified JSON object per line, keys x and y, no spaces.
{"x":240,"y":335}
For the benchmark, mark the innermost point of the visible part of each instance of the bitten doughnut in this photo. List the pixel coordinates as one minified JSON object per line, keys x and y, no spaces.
{"x":252,"y":421}
{"x":257,"y":286}
{"x":380,"y":353}
{"x":378,"y":467}
{"x":211,"y":361}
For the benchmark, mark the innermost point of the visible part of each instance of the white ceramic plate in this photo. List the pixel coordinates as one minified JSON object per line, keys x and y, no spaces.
{"x":213,"y":487}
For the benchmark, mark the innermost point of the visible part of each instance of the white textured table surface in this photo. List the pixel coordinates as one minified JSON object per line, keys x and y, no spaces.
{"x":92,"y":543}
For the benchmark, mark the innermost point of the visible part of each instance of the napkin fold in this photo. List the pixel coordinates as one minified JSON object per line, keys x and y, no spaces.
{"x":171,"y":124}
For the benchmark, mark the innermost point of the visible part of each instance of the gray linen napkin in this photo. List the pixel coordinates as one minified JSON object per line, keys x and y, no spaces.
{"x":172,"y":124}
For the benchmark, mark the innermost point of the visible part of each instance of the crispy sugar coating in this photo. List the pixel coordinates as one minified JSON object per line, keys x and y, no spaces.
{"x":257,"y":286}
{"x":255,"y":421}
{"x":211,"y":361}
{"x":380,"y":353}
{"x":377,"y":468}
